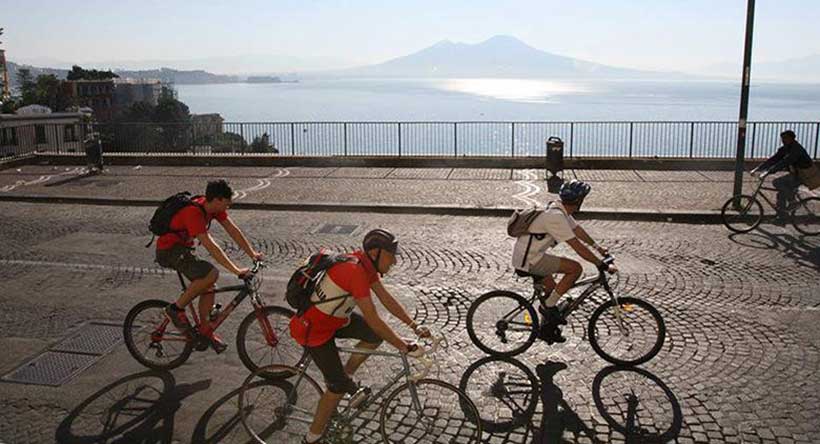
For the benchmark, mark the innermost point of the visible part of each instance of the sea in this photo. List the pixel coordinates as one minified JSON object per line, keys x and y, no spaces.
{"x":490,"y":99}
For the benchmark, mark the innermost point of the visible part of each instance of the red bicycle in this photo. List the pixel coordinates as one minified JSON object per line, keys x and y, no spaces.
{"x":263,"y":337}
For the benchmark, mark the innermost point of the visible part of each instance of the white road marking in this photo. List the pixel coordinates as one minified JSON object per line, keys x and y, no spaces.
{"x":530,"y":188}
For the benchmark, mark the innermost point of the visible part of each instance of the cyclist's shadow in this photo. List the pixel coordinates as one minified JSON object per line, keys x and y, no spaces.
{"x":805,"y":250}
{"x":139,"y":408}
{"x":557,"y":416}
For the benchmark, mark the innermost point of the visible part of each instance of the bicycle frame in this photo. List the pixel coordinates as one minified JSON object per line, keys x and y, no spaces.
{"x":346,"y":414}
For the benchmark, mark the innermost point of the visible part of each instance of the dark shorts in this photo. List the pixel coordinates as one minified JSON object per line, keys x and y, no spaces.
{"x":326,"y":356}
{"x":183,"y":260}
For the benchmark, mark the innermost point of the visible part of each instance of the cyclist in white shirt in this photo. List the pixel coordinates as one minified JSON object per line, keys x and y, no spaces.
{"x":531,"y":254}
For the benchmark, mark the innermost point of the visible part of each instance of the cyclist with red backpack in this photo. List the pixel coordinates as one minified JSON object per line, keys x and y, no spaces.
{"x":179,"y":221}
{"x":346,"y":285}
{"x":532,"y":256}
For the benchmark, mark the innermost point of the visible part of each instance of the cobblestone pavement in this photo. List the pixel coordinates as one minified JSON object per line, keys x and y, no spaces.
{"x":739,"y":364}
{"x":695,"y":191}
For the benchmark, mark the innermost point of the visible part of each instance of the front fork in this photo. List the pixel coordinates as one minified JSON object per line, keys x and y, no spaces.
{"x":264,"y":324}
{"x":616,"y":310}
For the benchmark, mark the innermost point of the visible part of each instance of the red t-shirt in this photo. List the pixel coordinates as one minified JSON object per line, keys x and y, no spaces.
{"x":321,"y":321}
{"x":187,"y":224}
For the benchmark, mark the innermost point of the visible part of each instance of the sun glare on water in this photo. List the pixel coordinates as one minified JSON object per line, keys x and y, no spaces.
{"x":516,"y":90}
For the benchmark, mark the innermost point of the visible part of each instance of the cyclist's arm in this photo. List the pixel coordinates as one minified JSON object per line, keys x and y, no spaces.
{"x":392,"y":305}
{"x":583,"y":251}
{"x":216,"y":252}
{"x":582,"y":234}
{"x":371,"y":316}
{"x":236,"y":234}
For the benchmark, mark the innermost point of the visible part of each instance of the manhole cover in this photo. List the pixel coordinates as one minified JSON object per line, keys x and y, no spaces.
{"x":94,"y":338}
{"x":336,"y":229}
{"x":51,"y":368}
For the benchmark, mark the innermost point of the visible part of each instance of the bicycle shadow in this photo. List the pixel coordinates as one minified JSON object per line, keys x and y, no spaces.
{"x":557,"y":416}
{"x":139,"y":408}
{"x":799,"y":248}
{"x":619,"y":400}
{"x":222,"y":423}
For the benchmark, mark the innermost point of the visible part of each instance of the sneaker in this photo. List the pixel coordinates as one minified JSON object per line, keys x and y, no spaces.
{"x":551,"y":315}
{"x":216,"y":342}
{"x":178,"y":318}
{"x":551,"y":334}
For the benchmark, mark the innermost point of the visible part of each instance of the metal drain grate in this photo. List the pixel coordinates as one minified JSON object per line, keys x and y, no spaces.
{"x":336,"y":229}
{"x":51,"y":368}
{"x":94,"y":338}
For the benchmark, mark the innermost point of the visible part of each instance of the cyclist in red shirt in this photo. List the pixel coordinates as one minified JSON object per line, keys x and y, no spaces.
{"x":175,"y":250}
{"x":347,"y":285}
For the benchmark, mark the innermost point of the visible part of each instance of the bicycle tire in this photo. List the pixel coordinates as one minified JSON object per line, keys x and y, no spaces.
{"x":812,"y":207}
{"x":128,"y":328}
{"x":468,"y":428}
{"x":593,"y":328}
{"x":280,"y":429}
{"x":518,"y":417}
{"x":279,"y":318}
{"x":521,"y":302}
{"x":753,"y":211}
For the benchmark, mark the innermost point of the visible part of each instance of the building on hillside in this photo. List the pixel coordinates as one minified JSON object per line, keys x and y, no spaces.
{"x":4,"y":76}
{"x":35,"y":128}
{"x":129,"y":91}
{"x":207,"y":124}
{"x":108,"y":97}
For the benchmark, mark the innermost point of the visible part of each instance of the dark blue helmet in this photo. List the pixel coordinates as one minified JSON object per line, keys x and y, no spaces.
{"x":574,"y":191}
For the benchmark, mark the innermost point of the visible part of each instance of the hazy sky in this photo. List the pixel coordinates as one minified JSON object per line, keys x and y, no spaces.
{"x":670,"y":35}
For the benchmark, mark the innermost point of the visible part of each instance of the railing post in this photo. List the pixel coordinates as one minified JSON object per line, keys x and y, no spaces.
{"x":242,"y":134}
{"x":630,"y":139}
{"x":691,"y":139}
{"x":399,"y":139}
{"x":455,"y":139}
{"x":816,"y":137}
{"x":512,"y":141}
{"x":345,"y":136}
{"x":571,"y":130}
{"x":292,"y":139}
{"x":752,"y":153}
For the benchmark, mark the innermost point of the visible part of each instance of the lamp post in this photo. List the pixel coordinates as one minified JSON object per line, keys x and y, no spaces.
{"x":744,"y":97}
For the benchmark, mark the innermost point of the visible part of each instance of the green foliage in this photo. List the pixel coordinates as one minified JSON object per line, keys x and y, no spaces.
{"x":78,"y":73}
{"x":145,"y":127}
{"x":46,"y":90}
{"x":27,"y":85}
{"x":262,"y":144}
{"x":223,"y":143}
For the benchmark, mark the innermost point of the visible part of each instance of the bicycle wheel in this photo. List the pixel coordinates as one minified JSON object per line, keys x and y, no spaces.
{"x":253,"y":347}
{"x":152,"y":339}
{"x":502,"y":323}
{"x":629,"y":335}
{"x":443,"y":414}
{"x":741,"y":213}
{"x":806,"y":216}
{"x":277,"y":411}
{"x":504,"y":390}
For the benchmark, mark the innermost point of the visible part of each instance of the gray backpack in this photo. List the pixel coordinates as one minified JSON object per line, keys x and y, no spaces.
{"x":520,"y":221}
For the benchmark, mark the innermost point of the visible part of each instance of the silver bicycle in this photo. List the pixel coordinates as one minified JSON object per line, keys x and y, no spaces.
{"x":415,"y":409}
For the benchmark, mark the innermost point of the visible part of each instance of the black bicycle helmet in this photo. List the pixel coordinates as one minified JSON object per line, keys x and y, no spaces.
{"x":382,"y":239}
{"x":574,"y":191}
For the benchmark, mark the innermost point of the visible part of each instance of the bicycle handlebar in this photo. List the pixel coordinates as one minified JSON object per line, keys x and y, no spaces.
{"x":428,"y":358}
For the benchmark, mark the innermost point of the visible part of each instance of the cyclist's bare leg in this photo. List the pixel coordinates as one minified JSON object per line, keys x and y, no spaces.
{"x":196,"y":287}
{"x":572,"y":271}
{"x":548,"y":283}
{"x":356,"y":360}
{"x":327,"y":405}
{"x":206,"y":303}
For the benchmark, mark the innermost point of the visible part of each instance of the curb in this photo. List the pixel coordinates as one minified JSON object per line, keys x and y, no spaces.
{"x":625,"y":214}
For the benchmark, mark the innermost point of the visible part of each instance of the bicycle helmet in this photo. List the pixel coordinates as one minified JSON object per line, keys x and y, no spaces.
{"x":381,"y":239}
{"x":574,"y":191}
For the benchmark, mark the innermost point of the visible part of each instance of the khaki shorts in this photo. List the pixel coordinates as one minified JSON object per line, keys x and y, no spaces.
{"x":183,"y":260}
{"x":547,"y":265}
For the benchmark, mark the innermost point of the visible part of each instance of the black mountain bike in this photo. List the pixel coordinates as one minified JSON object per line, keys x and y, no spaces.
{"x":743,"y":213}
{"x":621,"y":330}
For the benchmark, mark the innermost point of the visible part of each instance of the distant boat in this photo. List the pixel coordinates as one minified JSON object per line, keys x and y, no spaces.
{"x":263,"y":79}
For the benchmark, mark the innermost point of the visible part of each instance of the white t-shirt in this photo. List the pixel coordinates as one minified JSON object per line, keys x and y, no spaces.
{"x":557,"y":225}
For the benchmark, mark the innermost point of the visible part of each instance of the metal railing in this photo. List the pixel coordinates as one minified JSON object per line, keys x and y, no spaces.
{"x":638,"y":139}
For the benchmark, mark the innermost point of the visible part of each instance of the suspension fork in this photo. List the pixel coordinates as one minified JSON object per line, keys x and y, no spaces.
{"x":616,"y":308}
{"x":264,"y":323}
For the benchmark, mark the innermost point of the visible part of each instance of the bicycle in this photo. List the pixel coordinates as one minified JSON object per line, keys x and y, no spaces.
{"x":418,"y":409}
{"x":155,"y":343}
{"x":742,"y":213}
{"x":502,"y":317}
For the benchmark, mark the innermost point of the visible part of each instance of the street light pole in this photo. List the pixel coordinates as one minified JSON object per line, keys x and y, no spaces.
{"x":744,"y":97}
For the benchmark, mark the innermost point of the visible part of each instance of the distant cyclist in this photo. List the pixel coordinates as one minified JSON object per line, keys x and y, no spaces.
{"x":794,"y":158}
{"x":346,"y":286}
{"x":175,"y":250}
{"x":532,"y":255}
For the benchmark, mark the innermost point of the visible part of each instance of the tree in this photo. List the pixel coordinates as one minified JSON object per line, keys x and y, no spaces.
{"x":28,"y":88}
{"x":78,"y":73}
{"x":262,"y":144}
{"x":49,"y":92}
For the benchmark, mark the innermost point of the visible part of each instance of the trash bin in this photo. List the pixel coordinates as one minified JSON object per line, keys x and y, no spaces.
{"x":555,"y":155}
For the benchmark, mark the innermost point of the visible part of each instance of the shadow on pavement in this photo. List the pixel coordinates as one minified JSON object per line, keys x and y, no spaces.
{"x":637,"y":404}
{"x":84,"y":175}
{"x":557,"y":417}
{"x":804,"y":250}
{"x":139,"y":408}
